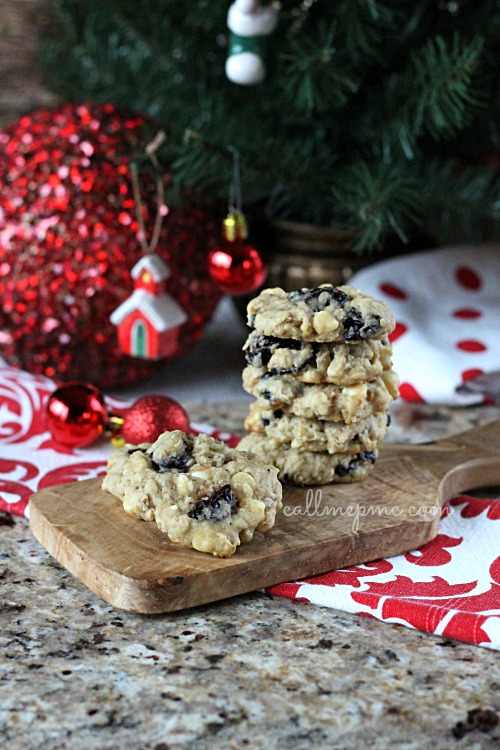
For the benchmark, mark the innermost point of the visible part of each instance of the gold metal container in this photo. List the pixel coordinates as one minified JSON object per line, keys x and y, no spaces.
{"x":304,"y":255}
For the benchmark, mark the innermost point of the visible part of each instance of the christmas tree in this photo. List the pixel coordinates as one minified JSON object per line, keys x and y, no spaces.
{"x":375,"y":116}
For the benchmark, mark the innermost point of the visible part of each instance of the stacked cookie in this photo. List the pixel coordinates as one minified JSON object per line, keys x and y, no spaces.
{"x":319,"y":364}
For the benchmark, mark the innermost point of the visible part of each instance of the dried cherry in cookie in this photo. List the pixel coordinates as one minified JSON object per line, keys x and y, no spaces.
{"x":175,"y":462}
{"x":370,"y":456}
{"x":259,"y":350}
{"x":320,"y":298}
{"x":349,"y":469}
{"x":214,"y":507}
{"x":356,"y":327}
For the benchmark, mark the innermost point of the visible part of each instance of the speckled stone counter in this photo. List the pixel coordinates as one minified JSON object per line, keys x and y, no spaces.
{"x":254,"y":671}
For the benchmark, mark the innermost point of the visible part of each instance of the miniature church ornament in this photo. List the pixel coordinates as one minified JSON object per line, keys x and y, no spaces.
{"x":149,"y":321}
{"x":251,"y":23}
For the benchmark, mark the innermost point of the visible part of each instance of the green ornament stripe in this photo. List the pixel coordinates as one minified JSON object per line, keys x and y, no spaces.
{"x":256,"y":44}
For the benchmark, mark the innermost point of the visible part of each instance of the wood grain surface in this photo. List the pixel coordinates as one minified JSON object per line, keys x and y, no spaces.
{"x":133,"y":566}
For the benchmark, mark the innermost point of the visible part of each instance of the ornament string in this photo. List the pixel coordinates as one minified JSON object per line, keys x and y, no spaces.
{"x":151,"y":149}
{"x":235,"y":194}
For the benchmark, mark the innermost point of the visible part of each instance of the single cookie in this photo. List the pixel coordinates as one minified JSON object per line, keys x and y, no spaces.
{"x":325,"y":314}
{"x":201,"y":493}
{"x":307,"y":467}
{"x":332,"y":402}
{"x":317,"y":435}
{"x":339,"y":364}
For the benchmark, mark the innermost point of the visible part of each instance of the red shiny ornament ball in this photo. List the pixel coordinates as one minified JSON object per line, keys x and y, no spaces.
{"x":76,"y":414}
{"x":152,"y":415}
{"x":236,"y":268}
{"x":69,"y":239}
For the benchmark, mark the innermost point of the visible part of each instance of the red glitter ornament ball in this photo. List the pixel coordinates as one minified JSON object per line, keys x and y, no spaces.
{"x":68,"y":240}
{"x":76,"y":414}
{"x":152,"y":415}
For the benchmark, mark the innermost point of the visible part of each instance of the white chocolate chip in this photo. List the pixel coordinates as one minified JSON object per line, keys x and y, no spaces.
{"x":201,"y":474}
{"x":184,"y":485}
{"x":324,"y":322}
{"x":243,"y":477}
{"x":257,"y":508}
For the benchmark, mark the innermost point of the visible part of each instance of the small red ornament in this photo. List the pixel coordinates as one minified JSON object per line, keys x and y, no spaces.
{"x":150,"y":416}
{"x":76,"y":414}
{"x":236,"y":267}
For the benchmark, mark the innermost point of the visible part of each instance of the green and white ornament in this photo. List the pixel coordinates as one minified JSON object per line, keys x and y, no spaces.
{"x":251,"y":22}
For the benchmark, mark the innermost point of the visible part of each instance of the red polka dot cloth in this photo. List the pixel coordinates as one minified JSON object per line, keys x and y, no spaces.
{"x":451,"y":586}
{"x":447,"y":307}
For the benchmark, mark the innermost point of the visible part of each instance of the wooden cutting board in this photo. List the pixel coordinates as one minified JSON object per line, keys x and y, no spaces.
{"x":133,"y":566}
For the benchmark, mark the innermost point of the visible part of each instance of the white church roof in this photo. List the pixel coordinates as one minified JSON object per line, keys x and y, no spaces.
{"x":152,"y":263}
{"x":163,"y":311}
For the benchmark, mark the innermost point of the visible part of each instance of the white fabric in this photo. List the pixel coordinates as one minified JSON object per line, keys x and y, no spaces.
{"x":447,"y":306}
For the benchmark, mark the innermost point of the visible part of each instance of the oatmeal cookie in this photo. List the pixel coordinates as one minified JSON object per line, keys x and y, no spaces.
{"x":201,"y":493}
{"x":339,"y":364}
{"x":307,"y":467}
{"x":332,"y":402}
{"x":317,"y":435}
{"x":324,"y":314}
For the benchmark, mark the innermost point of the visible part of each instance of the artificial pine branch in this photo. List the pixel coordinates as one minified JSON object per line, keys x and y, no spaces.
{"x":445,"y":98}
{"x":360,"y":97}
{"x":464,"y":193}
{"x":375,"y":198}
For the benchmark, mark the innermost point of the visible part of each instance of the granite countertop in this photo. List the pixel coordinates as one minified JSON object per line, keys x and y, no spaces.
{"x":253,"y":671}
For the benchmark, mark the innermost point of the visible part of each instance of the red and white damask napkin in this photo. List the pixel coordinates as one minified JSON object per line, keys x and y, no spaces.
{"x":447,"y":307}
{"x":450,"y":587}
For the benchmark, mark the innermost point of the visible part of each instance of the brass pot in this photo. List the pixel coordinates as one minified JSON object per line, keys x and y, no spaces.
{"x":304,"y":255}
